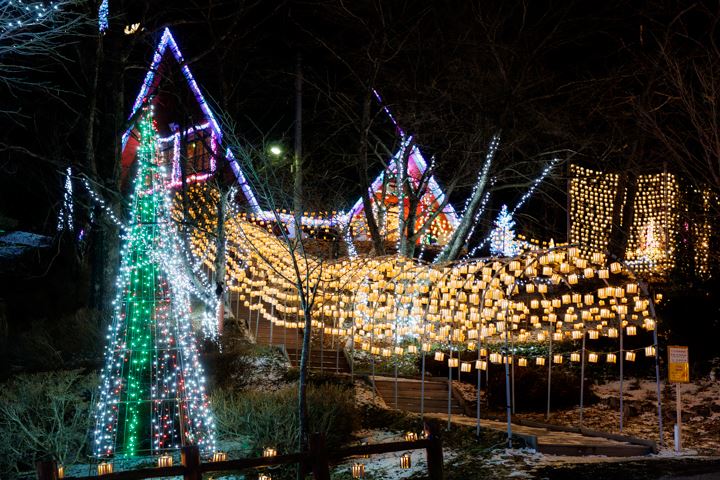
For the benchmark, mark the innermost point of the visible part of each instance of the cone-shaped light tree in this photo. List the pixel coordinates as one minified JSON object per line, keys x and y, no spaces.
{"x":502,"y":238}
{"x":152,"y":392}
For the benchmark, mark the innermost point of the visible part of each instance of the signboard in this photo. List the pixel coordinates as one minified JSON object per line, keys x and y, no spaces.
{"x":678,"y":365}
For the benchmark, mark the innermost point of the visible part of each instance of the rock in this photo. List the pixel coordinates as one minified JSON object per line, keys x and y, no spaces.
{"x":702,"y":410}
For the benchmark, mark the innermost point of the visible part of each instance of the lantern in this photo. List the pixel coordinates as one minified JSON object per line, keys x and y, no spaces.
{"x":453,"y":362}
{"x":540,"y":361}
{"x":61,"y":471}
{"x":165,"y":461}
{"x":650,"y":351}
{"x":481,"y":364}
{"x":557,"y":358}
{"x":631,"y":330}
{"x":593,"y":358}
{"x":574,"y":357}
{"x":269,"y":452}
{"x":105,"y":468}
{"x":465,"y":367}
{"x":410,"y":436}
{"x":405,"y":461}
{"x":439,"y":356}
{"x":358,"y":470}
{"x":412,"y":349}
{"x":612,"y":333}
{"x":593,"y":334}
{"x":219,"y":457}
{"x":611,"y":358}
{"x":522,"y":362}
{"x":630,"y":356}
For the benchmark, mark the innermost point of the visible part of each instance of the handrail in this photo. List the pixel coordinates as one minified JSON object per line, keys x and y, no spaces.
{"x":316,"y":459}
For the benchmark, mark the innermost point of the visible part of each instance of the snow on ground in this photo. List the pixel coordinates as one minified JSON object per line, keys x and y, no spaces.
{"x":387,"y":465}
{"x":701,"y":414}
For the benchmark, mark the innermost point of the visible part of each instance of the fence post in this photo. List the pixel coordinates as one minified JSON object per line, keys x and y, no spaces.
{"x":46,"y":470}
{"x":319,"y":457}
{"x":434,"y":453}
{"x":190,"y":457}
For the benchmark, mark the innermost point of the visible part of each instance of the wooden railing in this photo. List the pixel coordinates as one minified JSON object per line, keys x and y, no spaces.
{"x":316,"y":460}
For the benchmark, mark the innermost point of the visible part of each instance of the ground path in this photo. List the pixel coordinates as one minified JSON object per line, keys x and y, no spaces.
{"x":545,"y":439}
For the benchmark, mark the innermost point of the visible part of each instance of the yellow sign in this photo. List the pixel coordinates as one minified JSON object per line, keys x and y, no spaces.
{"x":678,"y":365}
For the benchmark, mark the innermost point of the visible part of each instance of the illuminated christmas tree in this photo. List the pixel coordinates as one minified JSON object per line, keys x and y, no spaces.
{"x":502,"y":238}
{"x":152,"y":392}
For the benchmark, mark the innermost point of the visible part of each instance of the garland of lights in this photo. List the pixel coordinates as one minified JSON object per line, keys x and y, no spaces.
{"x":152,"y":393}
{"x":546,"y":171}
{"x":65,"y":215}
{"x":103,"y":12}
{"x":17,"y":14}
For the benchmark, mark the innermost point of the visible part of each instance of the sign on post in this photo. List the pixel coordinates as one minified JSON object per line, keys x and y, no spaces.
{"x":678,"y":365}
{"x":678,"y":372}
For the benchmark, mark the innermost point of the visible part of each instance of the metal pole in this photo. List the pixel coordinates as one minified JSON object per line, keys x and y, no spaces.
{"x":512,"y":371}
{"x":479,"y":377}
{"x":582,"y":378}
{"x":507,"y":391}
{"x":549,"y":382}
{"x":322,"y":346}
{"x":449,"y":390}
{"x":678,"y":422}
{"x":657,"y":362}
{"x":622,"y":358}
{"x":395,"y":392}
{"x":422,"y":387}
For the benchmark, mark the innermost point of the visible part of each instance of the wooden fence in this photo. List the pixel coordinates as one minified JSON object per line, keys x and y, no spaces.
{"x":316,"y":460}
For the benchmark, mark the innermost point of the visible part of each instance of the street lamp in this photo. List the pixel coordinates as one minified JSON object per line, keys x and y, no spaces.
{"x":276,"y":150}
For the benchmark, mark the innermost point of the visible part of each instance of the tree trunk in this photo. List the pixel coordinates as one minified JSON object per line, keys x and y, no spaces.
{"x":220,"y":258}
{"x":457,"y":240}
{"x":302,"y":382}
{"x":400,"y":185}
{"x":623,"y":214}
{"x":377,"y":240}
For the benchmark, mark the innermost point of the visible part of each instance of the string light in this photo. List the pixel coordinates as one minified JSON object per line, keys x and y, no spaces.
{"x":103,"y":12}
{"x":66,"y":213}
{"x":152,"y":389}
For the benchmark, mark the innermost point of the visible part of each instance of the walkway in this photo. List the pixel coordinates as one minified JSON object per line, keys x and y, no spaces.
{"x":547,"y":439}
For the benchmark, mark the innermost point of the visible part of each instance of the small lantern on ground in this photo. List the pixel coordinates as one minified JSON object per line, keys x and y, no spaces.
{"x":165,"y":461}
{"x":269,"y":452}
{"x":358,"y":470}
{"x":410,"y":436}
{"x":219,"y":457}
{"x":105,"y":468}
{"x":61,"y":471}
{"x":405,"y":461}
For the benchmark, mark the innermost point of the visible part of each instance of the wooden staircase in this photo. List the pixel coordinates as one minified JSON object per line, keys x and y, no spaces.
{"x":409,"y":393}
{"x":331,"y":360}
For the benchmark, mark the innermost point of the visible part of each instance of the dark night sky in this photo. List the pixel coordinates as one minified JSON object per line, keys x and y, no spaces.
{"x":554,"y":76}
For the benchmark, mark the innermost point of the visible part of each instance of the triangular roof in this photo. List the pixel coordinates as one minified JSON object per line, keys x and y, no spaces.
{"x":416,"y":160}
{"x":167,"y":41}
{"x":416,"y":168}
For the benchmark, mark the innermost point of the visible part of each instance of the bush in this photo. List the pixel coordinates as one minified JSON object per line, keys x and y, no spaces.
{"x":44,"y":415}
{"x":270,"y":418}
